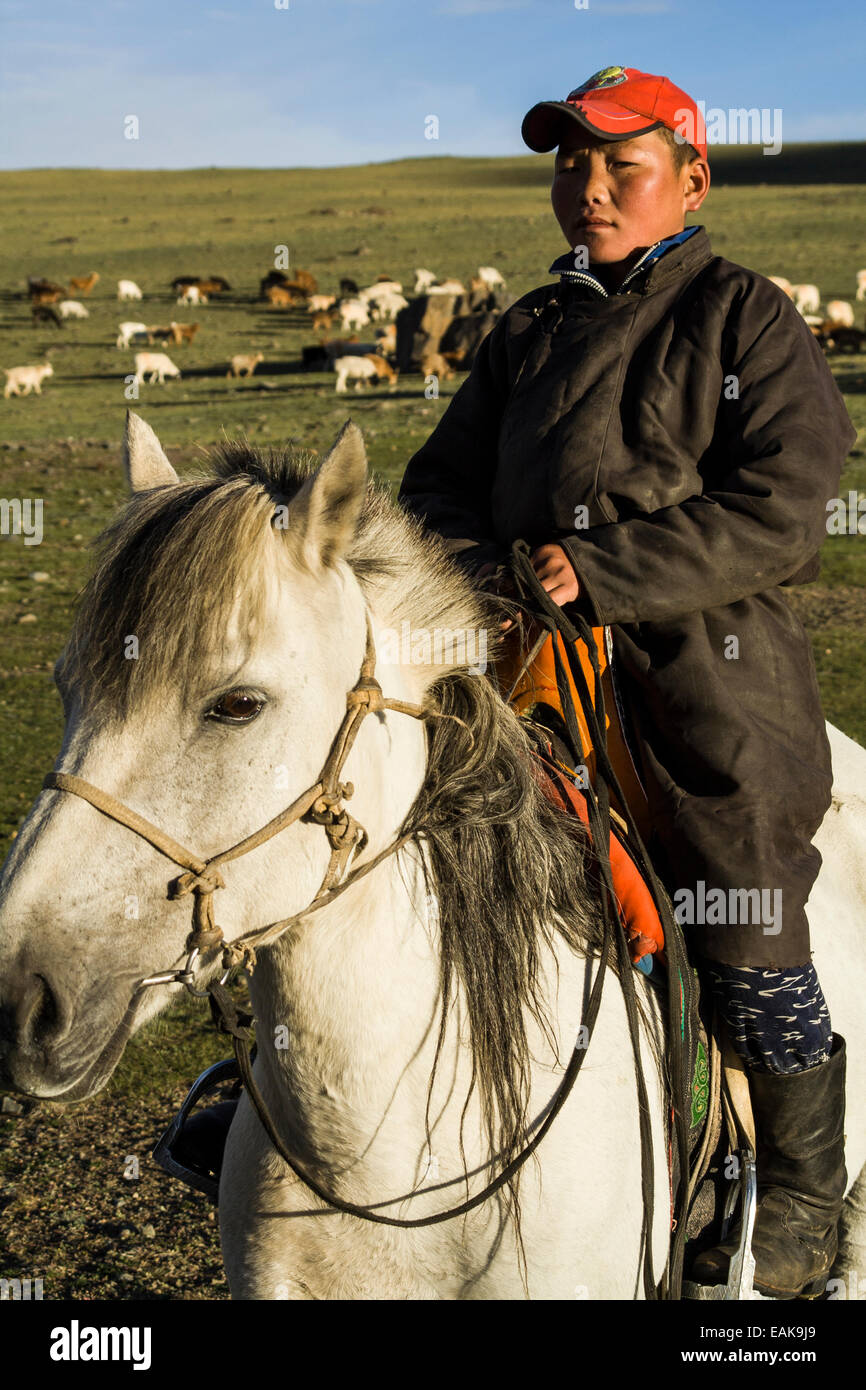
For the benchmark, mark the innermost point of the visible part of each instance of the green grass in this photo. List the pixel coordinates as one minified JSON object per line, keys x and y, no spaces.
{"x":780,"y":216}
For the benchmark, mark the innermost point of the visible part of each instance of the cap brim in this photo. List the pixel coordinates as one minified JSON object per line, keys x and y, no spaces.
{"x":543,"y":126}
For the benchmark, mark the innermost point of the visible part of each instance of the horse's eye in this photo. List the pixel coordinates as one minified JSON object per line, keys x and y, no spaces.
{"x":236,"y":707}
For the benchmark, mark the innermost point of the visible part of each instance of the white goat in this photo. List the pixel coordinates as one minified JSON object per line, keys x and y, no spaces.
{"x":363,"y":369}
{"x":128,"y":289}
{"x":128,"y":331}
{"x":491,"y":277}
{"x":20,"y":381}
{"x":807,"y":298}
{"x":71,"y":309}
{"x":191,"y":294}
{"x":353,"y":314}
{"x":423,"y":280}
{"x":320,"y":303}
{"x":840,"y":313}
{"x":386,"y":306}
{"x":157,"y":364}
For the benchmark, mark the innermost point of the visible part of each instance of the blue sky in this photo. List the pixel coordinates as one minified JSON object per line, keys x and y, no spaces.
{"x":329,"y":82}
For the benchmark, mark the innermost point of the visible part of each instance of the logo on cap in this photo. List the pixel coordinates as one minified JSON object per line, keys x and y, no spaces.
{"x":606,"y":77}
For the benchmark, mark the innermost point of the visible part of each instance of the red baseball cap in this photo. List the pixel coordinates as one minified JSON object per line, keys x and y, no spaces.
{"x":618,"y":103}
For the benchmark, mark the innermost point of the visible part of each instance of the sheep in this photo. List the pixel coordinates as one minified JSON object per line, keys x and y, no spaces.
{"x":367,"y":368}
{"x":157,"y":364}
{"x":84,"y":284}
{"x":71,"y":309}
{"x":244,"y":363}
{"x":191,"y":294}
{"x":183,"y":332}
{"x":807,"y":298}
{"x":20,"y":381}
{"x":491,"y":277}
{"x":423,"y":280}
{"x":840,"y":313}
{"x":353,"y":314}
{"x":861,"y":284}
{"x":784,"y":285}
{"x":128,"y":289}
{"x":129,"y":330}
{"x":318,"y":303}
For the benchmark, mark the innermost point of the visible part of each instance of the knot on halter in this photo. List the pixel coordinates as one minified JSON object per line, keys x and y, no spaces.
{"x":205,"y":932}
{"x":206,"y":882}
{"x":367,"y":692}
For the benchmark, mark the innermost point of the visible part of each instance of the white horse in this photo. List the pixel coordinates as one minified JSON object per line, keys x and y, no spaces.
{"x":248,"y":593}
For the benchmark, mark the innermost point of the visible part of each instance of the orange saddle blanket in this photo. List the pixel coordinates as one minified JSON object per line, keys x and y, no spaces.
{"x":537,"y":685}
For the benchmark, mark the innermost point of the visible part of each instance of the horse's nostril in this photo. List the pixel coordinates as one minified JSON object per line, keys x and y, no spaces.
{"x":42,"y":1016}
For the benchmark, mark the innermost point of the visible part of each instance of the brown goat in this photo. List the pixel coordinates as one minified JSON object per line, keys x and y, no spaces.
{"x":183,"y":332}
{"x":83,"y":284}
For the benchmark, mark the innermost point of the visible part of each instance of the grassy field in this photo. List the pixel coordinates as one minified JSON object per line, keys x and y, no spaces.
{"x":799,"y":215}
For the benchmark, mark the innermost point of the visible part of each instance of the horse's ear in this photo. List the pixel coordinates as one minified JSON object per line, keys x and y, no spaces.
{"x":144,"y":462}
{"x":327,"y":509}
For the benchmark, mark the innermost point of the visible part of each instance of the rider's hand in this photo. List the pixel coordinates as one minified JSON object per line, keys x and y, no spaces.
{"x":556,"y":573}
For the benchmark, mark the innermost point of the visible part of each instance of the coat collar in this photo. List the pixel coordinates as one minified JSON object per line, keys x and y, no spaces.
{"x":659,"y":263}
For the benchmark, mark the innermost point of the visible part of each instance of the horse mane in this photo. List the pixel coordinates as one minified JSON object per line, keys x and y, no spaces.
{"x":178,"y":559}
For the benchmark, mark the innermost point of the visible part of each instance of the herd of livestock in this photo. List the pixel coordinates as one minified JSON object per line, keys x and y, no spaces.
{"x":436,"y":332}
{"x":441,"y":325}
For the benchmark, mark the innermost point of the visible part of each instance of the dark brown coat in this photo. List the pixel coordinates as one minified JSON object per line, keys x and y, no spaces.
{"x":693,"y":415}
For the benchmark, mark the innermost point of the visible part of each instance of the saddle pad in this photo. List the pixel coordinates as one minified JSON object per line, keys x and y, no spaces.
{"x":636,"y":908}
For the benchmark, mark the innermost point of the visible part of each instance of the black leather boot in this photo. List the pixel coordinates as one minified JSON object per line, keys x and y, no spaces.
{"x":799,"y":1131}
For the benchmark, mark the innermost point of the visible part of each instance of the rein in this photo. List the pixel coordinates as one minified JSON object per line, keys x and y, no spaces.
{"x":322,"y":804}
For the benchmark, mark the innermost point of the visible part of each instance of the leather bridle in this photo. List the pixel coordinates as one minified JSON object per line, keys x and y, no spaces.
{"x":321,"y":803}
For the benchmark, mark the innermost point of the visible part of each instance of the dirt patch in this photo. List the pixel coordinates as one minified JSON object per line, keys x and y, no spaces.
{"x":819,"y":607}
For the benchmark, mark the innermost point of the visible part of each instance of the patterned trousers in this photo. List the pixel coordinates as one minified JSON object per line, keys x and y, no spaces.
{"x":778,"y":1019}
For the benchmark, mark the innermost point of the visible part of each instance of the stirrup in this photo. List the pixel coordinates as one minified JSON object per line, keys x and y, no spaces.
{"x":741,"y":1269}
{"x":210,"y":1080}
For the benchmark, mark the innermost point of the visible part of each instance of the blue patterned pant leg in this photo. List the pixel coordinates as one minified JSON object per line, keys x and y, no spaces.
{"x":778,"y":1019}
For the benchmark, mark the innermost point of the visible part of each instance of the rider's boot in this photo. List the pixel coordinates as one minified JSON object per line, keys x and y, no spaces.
{"x":799,"y":1131}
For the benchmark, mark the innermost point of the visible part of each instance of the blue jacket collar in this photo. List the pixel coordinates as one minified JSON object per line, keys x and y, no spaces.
{"x":564,"y":264}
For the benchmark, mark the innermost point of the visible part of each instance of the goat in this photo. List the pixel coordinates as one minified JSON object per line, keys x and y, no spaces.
{"x":386,"y":305}
{"x":349,"y":288}
{"x":214,"y":284}
{"x":129,"y":330}
{"x":446,"y":287}
{"x":157,"y":364}
{"x":423,"y":280}
{"x":386,"y":338}
{"x":281,"y":297}
{"x":434,"y":364}
{"x":317,"y":303}
{"x":128,"y":289}
{"x":861,"y":284}
{"x":807,"y":298}
{"x":43,"y":313}
{"x":71,"y":309}
{"x":353,"y":314}
{"x":191,"y":294}
{"x":183,"y":332}
{"x":367,"y":368}
{"x":36,"y":285}
{"x":491,"y":277}
{"x":83,"y":284}
{"x":784,"y":285}
{"x":840,"y":313}
{"x":323,"y":323}
{"x":244,"y":363}
{"x":20,"y":381}
{"x":46,"y":296}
